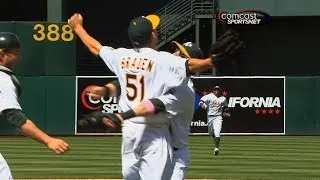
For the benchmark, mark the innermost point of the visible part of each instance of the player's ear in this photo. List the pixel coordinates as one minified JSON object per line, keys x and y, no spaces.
{"x":176,"y":53}
{"x":1,"y":57}
{"x":154,"y":34}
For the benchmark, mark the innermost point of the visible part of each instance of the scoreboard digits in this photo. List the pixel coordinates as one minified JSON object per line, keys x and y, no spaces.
{"x":52,"y":32}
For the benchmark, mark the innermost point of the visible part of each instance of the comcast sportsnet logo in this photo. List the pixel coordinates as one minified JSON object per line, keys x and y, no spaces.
{"x":245,"y":17}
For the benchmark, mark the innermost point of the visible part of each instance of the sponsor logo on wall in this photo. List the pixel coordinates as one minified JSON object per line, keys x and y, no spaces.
{"x":256,"y":104}
{"x":87,"y":103}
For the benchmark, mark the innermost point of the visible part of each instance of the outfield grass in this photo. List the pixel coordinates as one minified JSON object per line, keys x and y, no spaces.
{"x":241,"y":157}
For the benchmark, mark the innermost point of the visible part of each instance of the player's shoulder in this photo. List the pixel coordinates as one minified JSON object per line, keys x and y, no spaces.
{"x":115,"y":50}
{"x":205,"y":96}
{"x":4,"y":77}
{"x":164,"y":53}
{"x":168,"y":56}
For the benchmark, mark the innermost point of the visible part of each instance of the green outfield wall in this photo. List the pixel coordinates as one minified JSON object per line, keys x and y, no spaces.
{"x":302,"y":105}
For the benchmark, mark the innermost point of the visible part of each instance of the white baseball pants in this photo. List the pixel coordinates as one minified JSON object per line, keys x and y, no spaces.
{"x":181,"y":160}
{"x":146,"y":152}
{"x":5,"y":173}
{"x":214,"y":125}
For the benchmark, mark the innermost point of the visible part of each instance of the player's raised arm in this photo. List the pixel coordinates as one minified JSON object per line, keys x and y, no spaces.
{"x":199,"y":65}
{"x":92,"y":44}
{"x":181,"y":66}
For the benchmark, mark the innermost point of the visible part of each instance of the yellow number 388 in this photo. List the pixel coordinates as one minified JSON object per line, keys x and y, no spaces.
{"x":52,"y":33}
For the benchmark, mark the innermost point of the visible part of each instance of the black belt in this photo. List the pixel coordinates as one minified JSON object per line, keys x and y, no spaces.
{"x":215,"y":115}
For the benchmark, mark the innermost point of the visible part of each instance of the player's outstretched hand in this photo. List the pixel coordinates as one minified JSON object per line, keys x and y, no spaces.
{"x":75,"y":21}
{"x":58,"y":146}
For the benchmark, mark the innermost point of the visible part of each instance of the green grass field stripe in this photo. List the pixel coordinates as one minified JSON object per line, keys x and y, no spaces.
{"x":259,"y":169}
{"x":274,"y":151}
{"x":114,"y":153}
{"x":245,"y":144}
{"x":34,"y":146}
{"x":239,"y":143}
{"x":66,"y":163}
{"x":254,"y":159}
{"x":70,"y":169}
{"x":95,"y":146}
{"x":73,"y":175}
{"x":258,"y":165}
{"x":245,"y":176}
{"x":273,"y":155}
{"x":73,"y":158}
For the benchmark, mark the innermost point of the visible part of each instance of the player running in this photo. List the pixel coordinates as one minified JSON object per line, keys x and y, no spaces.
{"x":216,"y":106}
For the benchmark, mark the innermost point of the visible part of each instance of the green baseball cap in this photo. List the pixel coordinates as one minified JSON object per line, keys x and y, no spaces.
{"x":190,"y":49}
{"x":141,"y":28}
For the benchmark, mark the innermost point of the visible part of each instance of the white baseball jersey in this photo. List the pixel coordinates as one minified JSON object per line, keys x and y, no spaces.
{"x":144,"y":74}
{"x":8,"y":100}
{"x":214,"y":104}
{"x":180,"y":105}
{"x":8,"y":93}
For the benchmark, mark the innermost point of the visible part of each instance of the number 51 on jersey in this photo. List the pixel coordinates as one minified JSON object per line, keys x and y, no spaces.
{"x":135,"y":87}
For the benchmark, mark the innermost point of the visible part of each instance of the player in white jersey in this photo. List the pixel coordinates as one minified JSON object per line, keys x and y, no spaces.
{"x":179,"y":102}
{"x":10,"y":109}
{"x":180,"y":105}
{"x":143,"y":73}
{"x":217,"y":107}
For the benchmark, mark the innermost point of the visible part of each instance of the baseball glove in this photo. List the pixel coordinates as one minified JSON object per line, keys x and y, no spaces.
{"x":227,"y":45}
{"x":98,"y":119}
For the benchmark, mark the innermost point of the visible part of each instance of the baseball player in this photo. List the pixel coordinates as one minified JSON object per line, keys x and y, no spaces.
{"x":143,"y":74}
{"x":179,"y":102}
{"x":10,"y":109}
{"x":180,"y":105}
{"x":217,"y":107}
{"x":181,"y":112}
